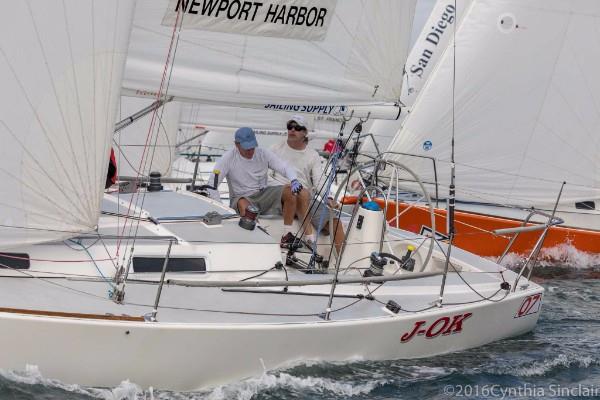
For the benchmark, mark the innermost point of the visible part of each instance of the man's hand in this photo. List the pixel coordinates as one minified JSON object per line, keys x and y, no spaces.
{"x":295,"y":186}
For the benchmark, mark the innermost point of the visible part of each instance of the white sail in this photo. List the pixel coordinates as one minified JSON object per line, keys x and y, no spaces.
{"x":269,"y":125}
{"x":526,"y":105}
{"x":60,"y":83}
{"x":430,"y":45}
{"x":422,"y":59}
{"x":211,"y":117}
{"x":148,"y":144}
{"x":359,"y":60}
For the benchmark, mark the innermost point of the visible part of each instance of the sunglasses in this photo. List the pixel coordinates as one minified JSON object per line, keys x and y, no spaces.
{"x":295,"y":127}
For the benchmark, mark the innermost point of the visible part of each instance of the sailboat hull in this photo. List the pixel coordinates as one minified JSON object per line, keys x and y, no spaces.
{"x":474,"y":230}
{"x":188,"y":356}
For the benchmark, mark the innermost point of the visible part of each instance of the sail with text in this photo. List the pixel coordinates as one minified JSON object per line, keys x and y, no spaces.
{"x":422,"y":59}
{"x":351,"y":56}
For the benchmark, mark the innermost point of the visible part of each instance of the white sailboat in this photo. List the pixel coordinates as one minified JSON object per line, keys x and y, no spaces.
{"x":525,"y":116}
{"x":167,"y":289}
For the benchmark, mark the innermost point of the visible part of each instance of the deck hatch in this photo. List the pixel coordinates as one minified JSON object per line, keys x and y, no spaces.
{"x":585,"y":205}
{"x":176,"y":264}
{"x":14,"y":260}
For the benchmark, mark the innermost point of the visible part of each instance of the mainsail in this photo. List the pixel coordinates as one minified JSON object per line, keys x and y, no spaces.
{"x":358,"y":59}
{"x":60,"y":86}
{"x":526,"y":105}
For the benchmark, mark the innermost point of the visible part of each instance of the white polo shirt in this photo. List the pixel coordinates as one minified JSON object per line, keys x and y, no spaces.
{"x":307,"y":164}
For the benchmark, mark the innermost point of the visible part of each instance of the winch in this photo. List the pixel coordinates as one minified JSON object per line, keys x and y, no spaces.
{"x":380,"y":259}
{"x":248,"y":221}
{"x":155,"y":185}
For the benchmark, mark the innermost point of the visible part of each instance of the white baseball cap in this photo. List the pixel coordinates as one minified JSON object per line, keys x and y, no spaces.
{"x":299,"y":119}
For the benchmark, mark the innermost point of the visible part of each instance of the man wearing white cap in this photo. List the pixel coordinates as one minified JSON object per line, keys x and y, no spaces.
{"x":246,"y":167}
{"x":309,"y":170}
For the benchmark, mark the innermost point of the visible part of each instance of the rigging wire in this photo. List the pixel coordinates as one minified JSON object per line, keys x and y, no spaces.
{"x":159,"y":95}
{"x":86,"y":249}
{"x":150,"y":306}
{"x":50,"y":282}
{"x":450,"y":211}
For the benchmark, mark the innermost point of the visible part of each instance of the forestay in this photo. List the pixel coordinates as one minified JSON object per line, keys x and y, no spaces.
{"x":148,"y":144}
{"x":60,"y":83}
{"x":359,"y":60}
{"x":527,"y":105}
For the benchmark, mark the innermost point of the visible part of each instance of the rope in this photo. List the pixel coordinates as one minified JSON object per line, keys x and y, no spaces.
{"x":93,"y":261}
{"x":150,"y":129}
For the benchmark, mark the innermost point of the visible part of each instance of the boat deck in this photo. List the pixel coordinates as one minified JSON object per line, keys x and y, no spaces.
{"x":180,"y":304}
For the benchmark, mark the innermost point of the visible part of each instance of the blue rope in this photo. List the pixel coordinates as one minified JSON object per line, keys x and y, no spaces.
{"x":78,"y":242}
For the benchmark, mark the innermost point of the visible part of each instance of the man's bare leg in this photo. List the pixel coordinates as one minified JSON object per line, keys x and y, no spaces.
{"x":242,"y":205}
{"x":302,"y":204}
{"x":340,"y":235}
{"x":289,"y":205}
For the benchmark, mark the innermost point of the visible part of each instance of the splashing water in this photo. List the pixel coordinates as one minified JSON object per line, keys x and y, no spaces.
{"x":562,"y":261}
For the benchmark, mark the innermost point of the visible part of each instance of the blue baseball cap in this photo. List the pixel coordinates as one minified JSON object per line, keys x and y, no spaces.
{"x":246,"y":138}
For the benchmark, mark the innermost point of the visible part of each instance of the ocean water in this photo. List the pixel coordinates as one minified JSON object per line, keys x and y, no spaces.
{"x":559,"y":359}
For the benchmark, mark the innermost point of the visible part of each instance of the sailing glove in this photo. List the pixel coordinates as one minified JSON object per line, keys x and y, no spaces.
{"x":295,"y":186}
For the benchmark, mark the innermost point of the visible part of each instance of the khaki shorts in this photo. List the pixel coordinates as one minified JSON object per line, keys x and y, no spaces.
{"x":316,"y":211}
{"x":267,"y":200}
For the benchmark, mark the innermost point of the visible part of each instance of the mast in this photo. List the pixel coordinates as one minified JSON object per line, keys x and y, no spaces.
{"x":452,"y":189}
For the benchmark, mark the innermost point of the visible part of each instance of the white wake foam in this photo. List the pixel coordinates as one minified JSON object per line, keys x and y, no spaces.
{"x":245,"y":390}
{"x":541,"y":368}
{"x":31,"y":375}
{"x":564,"y":254}
{"x":567,"y":254}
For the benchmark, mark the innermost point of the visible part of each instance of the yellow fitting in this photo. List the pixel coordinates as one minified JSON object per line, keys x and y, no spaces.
{"x":410,"y":247}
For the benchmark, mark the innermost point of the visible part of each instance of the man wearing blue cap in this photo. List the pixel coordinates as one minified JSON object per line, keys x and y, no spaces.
{"x":246,"y":167}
